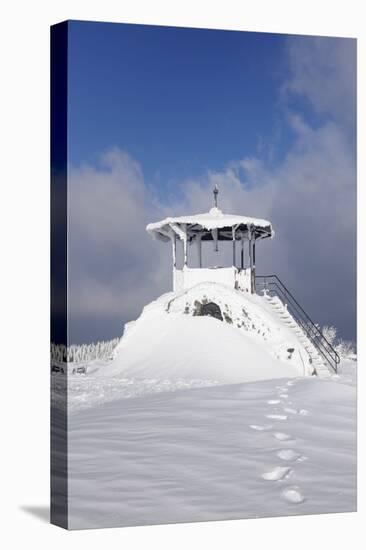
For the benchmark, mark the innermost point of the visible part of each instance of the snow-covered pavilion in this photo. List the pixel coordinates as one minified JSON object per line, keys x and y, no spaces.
{"x":214,"y":226}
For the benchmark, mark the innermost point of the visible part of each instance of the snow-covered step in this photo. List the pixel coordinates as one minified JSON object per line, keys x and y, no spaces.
{"x":319,"y":364}
{"x":322,"y":371}
{"x":312,"y":352}
{"x":289,"y":322}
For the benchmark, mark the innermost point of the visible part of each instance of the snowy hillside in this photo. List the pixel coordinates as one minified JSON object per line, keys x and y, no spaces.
{"x":175,"y":345}
{"x":209,"y":332}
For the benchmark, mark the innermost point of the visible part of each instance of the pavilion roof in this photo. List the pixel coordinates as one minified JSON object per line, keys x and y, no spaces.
{"x":208,"y":221}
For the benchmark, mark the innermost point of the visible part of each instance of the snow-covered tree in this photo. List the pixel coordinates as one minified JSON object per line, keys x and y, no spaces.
{"x":330,"y":334}
{"x":344,"y":348}
{"x":84,"y":352}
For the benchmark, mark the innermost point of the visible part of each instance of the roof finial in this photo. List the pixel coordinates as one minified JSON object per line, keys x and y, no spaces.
{"x":215,"y":192}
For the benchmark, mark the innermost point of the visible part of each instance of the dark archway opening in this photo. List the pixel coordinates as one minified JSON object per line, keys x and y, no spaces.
{"x":208,"y":309}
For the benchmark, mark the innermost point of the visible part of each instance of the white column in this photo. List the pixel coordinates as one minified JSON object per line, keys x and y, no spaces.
{"x":234,"y":249}
{"x":173,"y":238}
{"x":185,"y":251}
{"x":253,"y":269}
{"x":174,"y":249}
{"x":250,"y":259}
{"x":184,"y":238}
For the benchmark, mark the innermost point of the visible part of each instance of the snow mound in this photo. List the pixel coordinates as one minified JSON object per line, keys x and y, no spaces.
{"x":208,"y":332}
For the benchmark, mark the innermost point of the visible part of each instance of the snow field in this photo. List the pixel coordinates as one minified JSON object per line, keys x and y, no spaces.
{"x":251,"y":435}
{"x":205,"y":454}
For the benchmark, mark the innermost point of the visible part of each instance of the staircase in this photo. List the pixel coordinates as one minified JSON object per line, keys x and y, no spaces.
{"x":323,"y":356}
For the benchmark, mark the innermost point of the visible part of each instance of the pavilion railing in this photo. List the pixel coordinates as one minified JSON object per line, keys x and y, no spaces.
{"x":275,"y":287}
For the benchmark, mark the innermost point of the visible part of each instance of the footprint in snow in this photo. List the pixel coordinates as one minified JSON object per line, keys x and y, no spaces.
{"x":260,"y":428}
{"x":276,"y":416}
{"x":283,"y":395}
{"x":281,"y":436}
{"x":273,"y":401}
{"x":290,"y":411}
{"x":291,"y":383}
{"x":302,"y":412}
{"x":293,"y":495}
{"x":277,"y":473}
{"x":288,"y":454}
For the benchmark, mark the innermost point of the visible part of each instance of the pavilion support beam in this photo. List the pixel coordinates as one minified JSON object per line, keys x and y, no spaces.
{"x":242,"y":253}
{"x":234,"y":247}
{"x":250,"y":236}
{"x":180,"y":231}
{"x":183,"y":235}
{"x":250,"y":254}
{"x":215,"y":237}
{"x":185,"y":252}
{"x":253,"y":269}
{"x":199,"y":248}
{"x":174,"y":249}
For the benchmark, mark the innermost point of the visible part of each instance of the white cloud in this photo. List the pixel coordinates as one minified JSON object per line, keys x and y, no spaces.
{"x":323,"y":70}
{"x":109,"y":251}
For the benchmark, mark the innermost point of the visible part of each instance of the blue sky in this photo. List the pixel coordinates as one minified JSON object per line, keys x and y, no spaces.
{"x":158,"y":115}
{"x":180,"y":100}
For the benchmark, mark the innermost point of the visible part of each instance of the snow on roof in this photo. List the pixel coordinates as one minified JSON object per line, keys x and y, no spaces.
{"x":214,"y":219}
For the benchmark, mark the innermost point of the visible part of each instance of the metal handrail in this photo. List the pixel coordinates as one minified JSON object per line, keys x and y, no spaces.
{"x":310,"y":328}
{"x":316,"y":338}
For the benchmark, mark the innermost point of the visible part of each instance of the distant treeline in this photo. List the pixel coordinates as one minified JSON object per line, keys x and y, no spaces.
{"x":84,"y":352}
